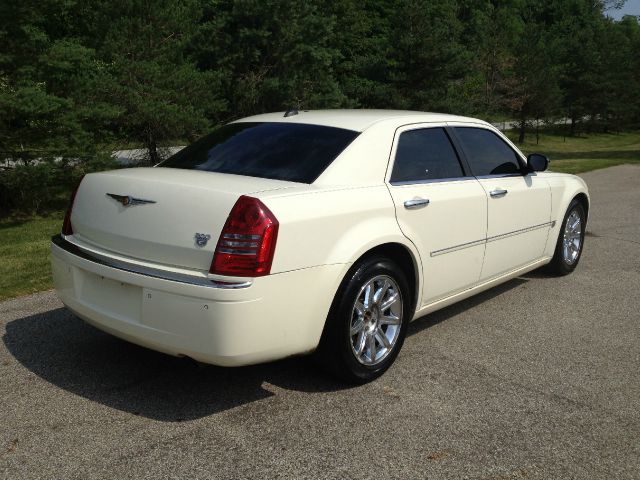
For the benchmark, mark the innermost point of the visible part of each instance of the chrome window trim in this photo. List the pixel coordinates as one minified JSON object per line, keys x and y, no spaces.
{"x":522,"y":159}
{"x":73,"y":249}
{"x":500,"y":175}
{"x":394,"y":150}
{"x":434,"y":180}
{"x":462,"y":246}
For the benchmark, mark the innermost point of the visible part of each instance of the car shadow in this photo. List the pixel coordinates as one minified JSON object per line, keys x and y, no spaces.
{"x":431,"y":319}
{"x":74,"y":356}
{"x":539,"y":273}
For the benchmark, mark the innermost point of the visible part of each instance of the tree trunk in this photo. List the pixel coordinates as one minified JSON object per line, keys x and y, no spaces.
{"x":572,"y":130}
{"x":152,"y":149}
{"x":522,"y":128}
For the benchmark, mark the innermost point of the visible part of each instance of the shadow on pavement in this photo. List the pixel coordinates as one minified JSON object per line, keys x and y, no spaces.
{"x":63,"y":350}
{"x":428,"y":321}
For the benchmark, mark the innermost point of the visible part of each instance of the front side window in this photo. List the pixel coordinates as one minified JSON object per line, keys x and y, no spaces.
{"x":425,"y":154}
{"x":486,"y":152}
{"x":294,"y":152}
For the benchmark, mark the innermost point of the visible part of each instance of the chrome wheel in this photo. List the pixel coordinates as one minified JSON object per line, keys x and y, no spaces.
{"x":376,"y":320}
{"x":572,"y":238}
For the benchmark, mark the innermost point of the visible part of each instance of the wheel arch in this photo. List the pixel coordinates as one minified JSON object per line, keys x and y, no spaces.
{"x":400,"y":251}
{"x":564,"y":190}
{"x":584,"y":201}
{"x":407,"y":260}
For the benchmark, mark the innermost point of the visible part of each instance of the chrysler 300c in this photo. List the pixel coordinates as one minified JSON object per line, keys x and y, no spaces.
{"x":312,"y":231}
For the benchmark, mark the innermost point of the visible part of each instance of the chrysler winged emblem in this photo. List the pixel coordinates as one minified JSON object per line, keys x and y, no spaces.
{"x":127,"y":201}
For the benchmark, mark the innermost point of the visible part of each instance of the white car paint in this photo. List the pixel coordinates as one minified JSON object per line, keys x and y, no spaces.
{"x":325,"y":227}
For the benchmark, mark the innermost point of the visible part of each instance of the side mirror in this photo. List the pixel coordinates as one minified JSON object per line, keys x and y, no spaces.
{"x":537,"y":162}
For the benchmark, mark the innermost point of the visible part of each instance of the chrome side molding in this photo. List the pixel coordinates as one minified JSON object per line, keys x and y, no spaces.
{"x":518,"y":232}
{"x":462,"y":246}
{"x":73,"y":249}
{"x":455,"y":248}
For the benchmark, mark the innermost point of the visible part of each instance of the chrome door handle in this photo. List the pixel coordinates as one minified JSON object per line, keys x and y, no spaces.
{"x":498,"y":193}
{"x":416,"y":203}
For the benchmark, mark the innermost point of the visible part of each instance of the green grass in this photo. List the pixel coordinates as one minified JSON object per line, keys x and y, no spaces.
{"x":584,"y":153}
{"x":24,"y":254}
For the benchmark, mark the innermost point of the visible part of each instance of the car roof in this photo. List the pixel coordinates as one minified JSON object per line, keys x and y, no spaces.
{"x":357,"y":120}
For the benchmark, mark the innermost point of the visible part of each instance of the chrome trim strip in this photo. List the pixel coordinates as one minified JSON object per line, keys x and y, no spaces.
{"x":518,"y":232}
{"x":462,"y":246}
{"x":458,"y":247}
{"x":499,"y":175}
{"x":73,"y":249}
{"x":434,"y":180}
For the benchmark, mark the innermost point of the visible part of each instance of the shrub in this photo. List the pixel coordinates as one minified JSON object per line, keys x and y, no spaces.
{"x":42,"y":187}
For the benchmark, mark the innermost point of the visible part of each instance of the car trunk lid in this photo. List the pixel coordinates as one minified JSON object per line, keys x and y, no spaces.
{"x":160,"y":215}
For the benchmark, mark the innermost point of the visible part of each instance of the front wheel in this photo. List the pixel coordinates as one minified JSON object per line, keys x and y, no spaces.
{"x":570,"y":240}
{"x":368,"y":321}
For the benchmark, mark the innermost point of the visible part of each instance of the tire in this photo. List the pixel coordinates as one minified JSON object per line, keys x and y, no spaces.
{"x":364,"y":306}
{"x":570,"y":241}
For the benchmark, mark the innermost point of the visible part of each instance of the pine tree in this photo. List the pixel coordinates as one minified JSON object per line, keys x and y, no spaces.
{"x":156,"y":84}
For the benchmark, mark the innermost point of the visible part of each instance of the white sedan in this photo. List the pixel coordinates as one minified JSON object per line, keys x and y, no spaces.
{"x":314,"y":231}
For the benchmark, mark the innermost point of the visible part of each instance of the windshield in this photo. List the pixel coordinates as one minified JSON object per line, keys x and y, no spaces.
{"x":282,"y":151}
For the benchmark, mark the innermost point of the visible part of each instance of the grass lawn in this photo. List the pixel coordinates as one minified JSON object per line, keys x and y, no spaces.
{"x":24,"y":254}
{"x":24,"y":243}
{"x":582,"y":154}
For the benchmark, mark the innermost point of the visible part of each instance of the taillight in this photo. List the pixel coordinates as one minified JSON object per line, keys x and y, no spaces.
{"x":248,"y":240}
{"x":66,"y":224}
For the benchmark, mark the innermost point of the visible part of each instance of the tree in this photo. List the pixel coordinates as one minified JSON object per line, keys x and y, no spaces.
{"x":619,"y":73}
{"x":272,"y":54}
{"x":426,"y":54}
{"x":363,"y":39}
{"x":156,"y":84}
{"x":576,"y":23}
{"x":50,"y":86}
{"x":492,"y":31}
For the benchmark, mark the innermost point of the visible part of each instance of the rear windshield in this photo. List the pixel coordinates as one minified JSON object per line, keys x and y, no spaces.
{"x":282,"y":151}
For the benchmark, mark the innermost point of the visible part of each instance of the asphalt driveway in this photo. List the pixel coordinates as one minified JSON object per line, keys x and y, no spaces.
{"x":537,"y":378}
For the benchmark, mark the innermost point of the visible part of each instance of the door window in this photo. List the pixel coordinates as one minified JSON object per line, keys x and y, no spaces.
{"x":425,"y":154}
{"x":487,"y":153}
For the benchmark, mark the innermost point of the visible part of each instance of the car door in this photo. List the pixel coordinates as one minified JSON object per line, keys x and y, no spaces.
{"x":519,"y":203}
{"x":440,"y":207}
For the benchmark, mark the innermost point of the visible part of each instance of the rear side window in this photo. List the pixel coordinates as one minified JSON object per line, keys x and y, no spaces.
{"x":425,"y":154}
{"x":487,"y":153}
{"x":282,"y":151}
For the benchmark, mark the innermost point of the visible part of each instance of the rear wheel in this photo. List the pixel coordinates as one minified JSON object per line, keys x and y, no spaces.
{"x":570,"y":240}
{"x":368,"y":321}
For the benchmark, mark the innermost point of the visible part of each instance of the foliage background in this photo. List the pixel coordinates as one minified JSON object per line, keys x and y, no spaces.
{"x":80,"y":78}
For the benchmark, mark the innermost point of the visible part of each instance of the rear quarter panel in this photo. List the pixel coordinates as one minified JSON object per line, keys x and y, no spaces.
{"x":333,"y":226}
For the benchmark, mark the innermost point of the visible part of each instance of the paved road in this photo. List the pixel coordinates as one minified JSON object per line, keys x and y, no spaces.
{"x":539,"y":378}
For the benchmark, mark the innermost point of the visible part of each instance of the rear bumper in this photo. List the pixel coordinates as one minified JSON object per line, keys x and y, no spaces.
{"x":265,"y":319}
